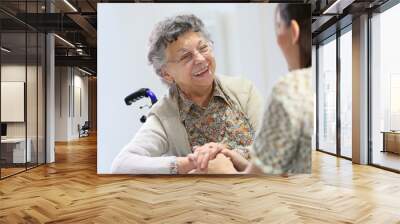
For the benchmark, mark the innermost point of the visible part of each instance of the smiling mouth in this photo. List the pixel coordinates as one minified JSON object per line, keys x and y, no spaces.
{"x":203,"y":71}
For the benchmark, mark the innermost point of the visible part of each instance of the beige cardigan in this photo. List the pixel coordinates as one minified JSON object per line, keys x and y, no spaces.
{"x":163,"y":137}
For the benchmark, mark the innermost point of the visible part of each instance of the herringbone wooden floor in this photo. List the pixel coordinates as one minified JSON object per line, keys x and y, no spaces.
{"x":70,"y":191}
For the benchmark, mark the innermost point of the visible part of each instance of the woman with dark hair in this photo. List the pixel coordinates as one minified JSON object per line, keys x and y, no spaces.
{"x":283,"y":143}
{"x":294,"y":19}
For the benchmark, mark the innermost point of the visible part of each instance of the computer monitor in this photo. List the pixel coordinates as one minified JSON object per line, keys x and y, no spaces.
{"x":3,"y":129}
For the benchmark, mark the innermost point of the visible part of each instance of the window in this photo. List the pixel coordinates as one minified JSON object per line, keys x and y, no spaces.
{"x":346,"y":93}
{"x":22,"y":102}
{"x":327,"y":96}
{"x":385,"y":89}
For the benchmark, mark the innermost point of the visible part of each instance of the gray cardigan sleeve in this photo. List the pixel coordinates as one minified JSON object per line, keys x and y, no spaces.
{"x":254,"y":107}
{"x":145,"y":153}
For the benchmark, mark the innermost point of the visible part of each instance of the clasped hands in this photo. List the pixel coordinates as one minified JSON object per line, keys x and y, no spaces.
{"x":214,"y":158}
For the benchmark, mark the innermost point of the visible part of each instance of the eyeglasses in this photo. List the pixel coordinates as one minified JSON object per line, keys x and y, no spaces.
{"x":187,"y":57}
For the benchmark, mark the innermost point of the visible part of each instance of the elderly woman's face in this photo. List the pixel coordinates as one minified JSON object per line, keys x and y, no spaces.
{"x":190,"y":62}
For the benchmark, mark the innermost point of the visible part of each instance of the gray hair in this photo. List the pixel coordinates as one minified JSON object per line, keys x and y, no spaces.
{"x":168,"y":31}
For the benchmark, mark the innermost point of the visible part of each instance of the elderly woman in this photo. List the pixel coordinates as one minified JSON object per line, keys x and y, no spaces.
{"x":283,"y":143}
{"x":216,"y":113}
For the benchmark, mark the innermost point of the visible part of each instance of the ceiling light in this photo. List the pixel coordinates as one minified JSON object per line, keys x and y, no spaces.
{"x":65,"y":41}
{"x":5,"y":50}
{"x":337,"y":7}
{"x":70,"y":5}
{"x":84,"y":71}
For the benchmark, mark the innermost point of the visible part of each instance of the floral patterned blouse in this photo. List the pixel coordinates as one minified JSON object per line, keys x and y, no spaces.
{"x":283,"y":143}
{"x":221,"y":121}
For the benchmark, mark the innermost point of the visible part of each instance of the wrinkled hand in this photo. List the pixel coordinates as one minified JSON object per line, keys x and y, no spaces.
{"x":220,"y":165}
{"x":203,"y":154}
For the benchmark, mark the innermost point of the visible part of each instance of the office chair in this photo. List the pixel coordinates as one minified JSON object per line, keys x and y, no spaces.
{"x":84,"y":130}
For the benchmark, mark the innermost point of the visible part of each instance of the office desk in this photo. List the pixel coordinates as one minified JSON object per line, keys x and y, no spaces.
{"x":391,"y":141}
{"x":13,"y":150}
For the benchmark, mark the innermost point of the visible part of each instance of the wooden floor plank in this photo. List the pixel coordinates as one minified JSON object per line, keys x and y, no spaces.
{"x":70,"y":191}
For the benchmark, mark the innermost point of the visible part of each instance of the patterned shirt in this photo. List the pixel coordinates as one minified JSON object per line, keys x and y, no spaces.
{"x":220,"y":121}
{"x":283,"y":143}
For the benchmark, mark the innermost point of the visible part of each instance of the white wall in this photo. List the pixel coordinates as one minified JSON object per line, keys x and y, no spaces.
{"x":18,"y":73}
{"x":244,"y":37}
{"x":79,"y":117}
{"x":68,"y":82}
{"x":33,"y":126}
{"x":15,"y":73}
{"x":61,"y":103}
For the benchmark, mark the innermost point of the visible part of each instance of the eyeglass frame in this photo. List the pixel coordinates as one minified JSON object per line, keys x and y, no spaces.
{"x":181,"y":60}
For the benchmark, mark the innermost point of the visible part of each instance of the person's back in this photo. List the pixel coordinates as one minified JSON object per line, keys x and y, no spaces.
{"x":283,"y":144}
